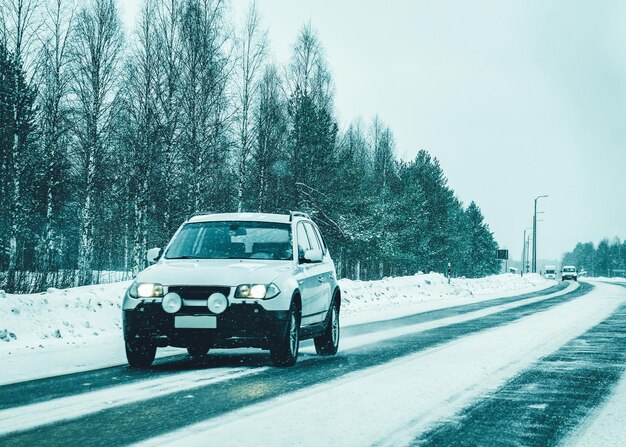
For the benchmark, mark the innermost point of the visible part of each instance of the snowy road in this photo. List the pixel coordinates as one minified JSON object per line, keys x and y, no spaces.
{"x":533,"y":369}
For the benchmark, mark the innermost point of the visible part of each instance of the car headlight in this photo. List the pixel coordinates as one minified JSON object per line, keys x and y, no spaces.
{"x":145,"y":290}
{"x":257,"y":291}
{"x":172,"y":302}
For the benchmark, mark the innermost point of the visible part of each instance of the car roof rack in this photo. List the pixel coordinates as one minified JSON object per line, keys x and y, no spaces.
{"x":293,"y":214}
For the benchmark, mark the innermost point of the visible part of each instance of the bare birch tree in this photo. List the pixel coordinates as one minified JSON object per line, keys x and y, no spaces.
{"x":205,"y":72}
{"x":168,"y":92}
{"x":96,"y":49}
{"x":54,"y":122}
{"x":143,"y":132}
{"x":252,"y":49}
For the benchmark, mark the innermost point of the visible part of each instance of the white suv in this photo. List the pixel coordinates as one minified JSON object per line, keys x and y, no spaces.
{"x":236,"y":280}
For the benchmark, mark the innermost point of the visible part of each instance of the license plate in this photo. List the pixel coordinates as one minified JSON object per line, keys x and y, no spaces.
{"x":195,"y":322}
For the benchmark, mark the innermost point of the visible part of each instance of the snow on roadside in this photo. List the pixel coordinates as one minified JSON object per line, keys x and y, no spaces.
{"x":81,"y":315}
{"x":60,"y":316}
{"x":609,"y":279}
{"x":367,"y":301}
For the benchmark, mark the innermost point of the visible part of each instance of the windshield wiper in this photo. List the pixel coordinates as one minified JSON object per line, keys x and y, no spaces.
{"x":184,"y":257}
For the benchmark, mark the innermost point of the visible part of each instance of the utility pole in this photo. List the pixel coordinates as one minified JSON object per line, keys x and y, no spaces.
{"x":524,"y":252}
{"x":535,"y":234}
{"x":527,"y":254}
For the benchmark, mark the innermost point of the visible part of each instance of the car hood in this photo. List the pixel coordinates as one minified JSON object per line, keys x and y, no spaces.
{"x":213,"y":272}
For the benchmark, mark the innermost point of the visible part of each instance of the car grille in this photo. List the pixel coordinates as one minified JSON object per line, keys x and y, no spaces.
{"x":198,"y":292}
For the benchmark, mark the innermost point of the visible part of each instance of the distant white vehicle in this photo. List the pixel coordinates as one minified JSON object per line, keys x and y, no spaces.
{"x":550,"y":272}
{"x":569,"y":272}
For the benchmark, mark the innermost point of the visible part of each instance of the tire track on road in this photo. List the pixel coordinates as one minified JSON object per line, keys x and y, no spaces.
{"x":546,"y":402}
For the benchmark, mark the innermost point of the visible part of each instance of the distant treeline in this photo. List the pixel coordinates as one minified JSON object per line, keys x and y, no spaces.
{"x":607,"y":259}
{"x":108,"y":143}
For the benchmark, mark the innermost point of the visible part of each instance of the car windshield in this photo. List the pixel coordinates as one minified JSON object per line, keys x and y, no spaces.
{"x":232,"y":240}
{"x":550,"y":271}
{"x":569,"y":269}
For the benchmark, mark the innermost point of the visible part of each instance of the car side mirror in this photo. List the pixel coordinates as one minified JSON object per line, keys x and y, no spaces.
{"x":153,"y":255}
{"x":313,"y":256}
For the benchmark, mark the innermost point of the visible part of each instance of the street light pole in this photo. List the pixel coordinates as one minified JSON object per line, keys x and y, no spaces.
{"x":535,"y":234}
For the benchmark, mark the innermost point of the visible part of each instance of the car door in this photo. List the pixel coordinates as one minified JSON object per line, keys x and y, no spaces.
{"x":307,"y":282}
{"x":323,"y":271}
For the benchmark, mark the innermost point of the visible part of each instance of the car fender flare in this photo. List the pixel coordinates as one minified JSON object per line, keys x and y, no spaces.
{"x":337,"y":296}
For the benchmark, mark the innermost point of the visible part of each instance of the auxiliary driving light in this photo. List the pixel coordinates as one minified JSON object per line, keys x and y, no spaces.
{"x":217,"y":303}
{"x":172,"y":302}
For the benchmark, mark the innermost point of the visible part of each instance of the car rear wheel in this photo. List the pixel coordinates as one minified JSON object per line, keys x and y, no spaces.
{"x":140,"y":354}
{"x":285,"y":351}
{"x":328,"y":342}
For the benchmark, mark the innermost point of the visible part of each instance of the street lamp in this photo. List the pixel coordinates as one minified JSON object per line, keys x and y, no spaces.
{"x":535,"y":234}
{"x":524,"y":251}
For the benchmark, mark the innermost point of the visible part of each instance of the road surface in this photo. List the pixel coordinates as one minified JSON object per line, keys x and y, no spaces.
{"x":533,"y":369}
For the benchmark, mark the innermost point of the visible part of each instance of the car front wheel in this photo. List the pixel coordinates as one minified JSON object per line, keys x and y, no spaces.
{"x":198,"y":350}
{"x":285,"y":351}
{"x":328,"y":342}
{"x":140,"y":354}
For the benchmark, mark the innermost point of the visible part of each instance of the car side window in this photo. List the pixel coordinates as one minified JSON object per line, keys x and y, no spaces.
{"x":313,"y":238}
{"x":303,"y":240}
{"x":320,"y":238}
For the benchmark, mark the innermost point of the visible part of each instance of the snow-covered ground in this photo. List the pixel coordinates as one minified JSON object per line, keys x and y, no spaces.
{"x":69,"y":330}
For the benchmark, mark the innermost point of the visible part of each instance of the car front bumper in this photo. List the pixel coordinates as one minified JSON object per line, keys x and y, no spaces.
{"x":240,"y":325}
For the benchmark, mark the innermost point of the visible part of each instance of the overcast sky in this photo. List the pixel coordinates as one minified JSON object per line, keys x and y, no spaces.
{"x":516,"y":99}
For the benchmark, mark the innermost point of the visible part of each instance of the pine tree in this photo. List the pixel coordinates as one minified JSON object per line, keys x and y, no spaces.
{"x":268,"y":155}
{"x":603,"y":258}
{"x":312,"y":128}
{"x":17,"y":115}
{"x":439,"y":201}
{"x":482,"y":246}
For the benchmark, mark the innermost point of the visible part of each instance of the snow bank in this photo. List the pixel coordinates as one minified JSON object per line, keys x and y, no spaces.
{"x":608,"y":279}
{"x":67,"y":316}
{"x":82,"y":315}
{"x":366,"y":301}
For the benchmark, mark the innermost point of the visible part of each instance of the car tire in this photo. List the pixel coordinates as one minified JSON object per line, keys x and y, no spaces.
{"x":285,"y":351}
{"x":140,"y":354}
{"x":198,"y":350}
{"x":328,"y":342}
